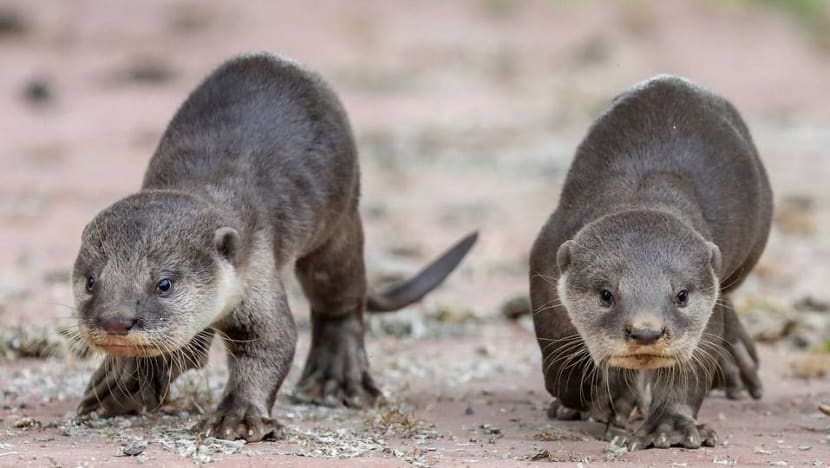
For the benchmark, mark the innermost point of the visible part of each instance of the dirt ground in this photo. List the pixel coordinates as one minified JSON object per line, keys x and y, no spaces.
{"x":467,"y":115}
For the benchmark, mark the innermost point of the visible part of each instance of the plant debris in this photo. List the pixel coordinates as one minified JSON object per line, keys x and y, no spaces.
{"x":810,"y":365}
{"x":541,"y":455}
{"x":133,"y":449}
{"x":27,"y":423}
{"x":557,"y":435}
{"x":391,"y":420}
{"x":185,"y":443}
{"x":613,"y":452}
{"x":31,"y":342}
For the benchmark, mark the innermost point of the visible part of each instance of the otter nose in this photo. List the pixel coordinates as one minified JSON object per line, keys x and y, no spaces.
{"x":117,"y":326}
{"x":644,"y":336}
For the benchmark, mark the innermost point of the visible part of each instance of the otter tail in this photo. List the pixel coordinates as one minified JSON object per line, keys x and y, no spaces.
{"x":400,"y":295}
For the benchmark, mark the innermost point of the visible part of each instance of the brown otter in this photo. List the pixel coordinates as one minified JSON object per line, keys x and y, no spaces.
{"x":256,"y":172}
{"x":666,"y":208}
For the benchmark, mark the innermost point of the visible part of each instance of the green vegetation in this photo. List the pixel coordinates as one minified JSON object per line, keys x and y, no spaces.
{"x":811,"y":15}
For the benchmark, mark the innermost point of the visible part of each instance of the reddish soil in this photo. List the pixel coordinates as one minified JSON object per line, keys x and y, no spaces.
{"x":467,"y":115}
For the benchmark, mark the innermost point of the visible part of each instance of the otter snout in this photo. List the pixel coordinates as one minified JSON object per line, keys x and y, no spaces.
{"x":117,"y":320}
{"x":644,"y":335}
{"x":117,"y":325}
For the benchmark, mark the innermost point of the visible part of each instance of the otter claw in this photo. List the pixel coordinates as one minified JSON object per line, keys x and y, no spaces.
{"x":338,"y":375}
{"x":672,"y":431}
{"x":240,"y":420}
{"x":557,"y":410}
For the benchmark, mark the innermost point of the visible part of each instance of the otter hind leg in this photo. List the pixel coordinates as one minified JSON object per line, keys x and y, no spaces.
{"x":334,"y":280}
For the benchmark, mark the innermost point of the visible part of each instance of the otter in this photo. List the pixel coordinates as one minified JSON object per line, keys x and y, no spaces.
{"x":665,"y":210}
{"x":256,"y":173}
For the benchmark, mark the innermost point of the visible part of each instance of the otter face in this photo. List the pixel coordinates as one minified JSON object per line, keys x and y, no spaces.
{"x":639,"y":288}
{"x":154,"y":270}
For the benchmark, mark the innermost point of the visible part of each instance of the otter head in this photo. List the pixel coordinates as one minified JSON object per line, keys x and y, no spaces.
{"x":154,"y":270}
{"x":639,"y":287}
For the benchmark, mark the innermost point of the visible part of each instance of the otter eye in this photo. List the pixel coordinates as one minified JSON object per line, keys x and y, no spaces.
{"x":164,"y":286}
{"x":606,"y":298}
{"x":682,"y":298}
{"x":90,"y":282}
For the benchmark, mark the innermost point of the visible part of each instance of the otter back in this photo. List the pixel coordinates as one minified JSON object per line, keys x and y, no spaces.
{"x":257,"y":171}
{"x":666,"y":208}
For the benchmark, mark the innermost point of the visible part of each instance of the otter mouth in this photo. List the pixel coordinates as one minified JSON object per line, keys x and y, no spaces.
{"x":133,"y":344}
{"x":128,"y":350}
{"x":123,"y":346}
{"x":641,"y":361}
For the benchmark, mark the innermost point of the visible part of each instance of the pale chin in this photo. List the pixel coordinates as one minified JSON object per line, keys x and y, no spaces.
{"x":129,"y":351}
{"x":121,"y":346}
{"x":641,"y":362}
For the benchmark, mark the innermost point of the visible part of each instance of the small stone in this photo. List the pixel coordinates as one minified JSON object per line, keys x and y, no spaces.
{"x":12,"y":22}
{"x":134,"y":448}
{"x":812,"y":304}
{"x":516,"y":307}
{"x":801,"y":341}
{"x":489,"y":429}
{"x":38,"y":92}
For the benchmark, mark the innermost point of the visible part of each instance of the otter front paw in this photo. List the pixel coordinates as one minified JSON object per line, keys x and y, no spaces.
{"x":560,"y":412}
{"x":669,"y":430}
{"x":124,"y":385}
{"x":337,"y":373}
{"x":238,"y":419}
{"x":617,"y":435}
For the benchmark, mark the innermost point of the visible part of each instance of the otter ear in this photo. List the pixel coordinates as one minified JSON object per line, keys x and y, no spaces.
{"x":226,"y":242}
{"x":563,"y":256}
{"x":714,"y":257}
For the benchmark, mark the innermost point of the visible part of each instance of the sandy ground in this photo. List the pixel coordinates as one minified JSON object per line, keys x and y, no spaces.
{"x":467,"y":115}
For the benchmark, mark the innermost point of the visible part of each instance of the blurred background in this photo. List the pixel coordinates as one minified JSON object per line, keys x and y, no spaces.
{"x":467,"y":114}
